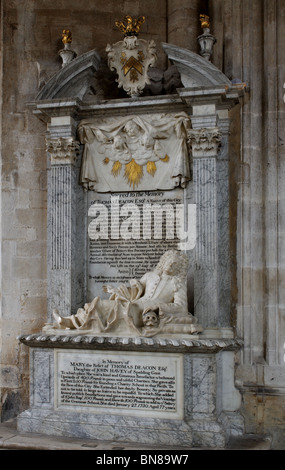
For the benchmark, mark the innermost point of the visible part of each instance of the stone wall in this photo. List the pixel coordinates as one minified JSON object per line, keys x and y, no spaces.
{"x":31,"y":37}
{"x":250,"y":36}
{"x":250,"y":47}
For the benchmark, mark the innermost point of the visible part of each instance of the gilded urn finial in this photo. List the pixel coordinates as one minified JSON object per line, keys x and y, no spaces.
{"x":206,"y":40}
{"x":67,"y":54}
{"x":131,"y":27}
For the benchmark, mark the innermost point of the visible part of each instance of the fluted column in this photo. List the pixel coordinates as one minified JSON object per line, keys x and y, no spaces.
{"x":63,"y":233}
{"x":204,"y":142}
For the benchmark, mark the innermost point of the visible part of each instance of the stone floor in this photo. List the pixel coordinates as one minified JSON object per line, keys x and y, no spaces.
{"x":11,"y":439}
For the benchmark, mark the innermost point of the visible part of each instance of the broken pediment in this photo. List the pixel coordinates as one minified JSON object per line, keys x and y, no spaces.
{"x":87,"y":77}
{"x":74,"y":79}
{"x":195,"y":71}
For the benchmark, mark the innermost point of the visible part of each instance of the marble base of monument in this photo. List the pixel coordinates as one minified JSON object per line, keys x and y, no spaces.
{"x":148,"y":390}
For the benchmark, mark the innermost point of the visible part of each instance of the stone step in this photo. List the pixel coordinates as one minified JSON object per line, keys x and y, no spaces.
{"x":250,"y":442}
{"x":11,"y":439}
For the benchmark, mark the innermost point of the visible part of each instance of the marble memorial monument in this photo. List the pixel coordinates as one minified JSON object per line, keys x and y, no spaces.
{"x":155,"y":304}
{"x":122,"y":356}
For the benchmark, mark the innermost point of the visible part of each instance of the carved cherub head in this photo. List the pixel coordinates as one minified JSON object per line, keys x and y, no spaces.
{"x":118,"y":142}
{"x":132,"y":129}
{"x":148,"y":141}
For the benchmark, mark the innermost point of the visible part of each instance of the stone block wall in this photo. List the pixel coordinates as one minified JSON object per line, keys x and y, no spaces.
{"x":31,"y":38}
{"x":249,"y":47}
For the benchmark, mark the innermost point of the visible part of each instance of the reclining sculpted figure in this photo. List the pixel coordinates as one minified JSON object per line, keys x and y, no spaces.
{"x":155,"y":304}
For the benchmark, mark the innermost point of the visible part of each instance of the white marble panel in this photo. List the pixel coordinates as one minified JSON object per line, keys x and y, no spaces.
{"x":138,"y":384}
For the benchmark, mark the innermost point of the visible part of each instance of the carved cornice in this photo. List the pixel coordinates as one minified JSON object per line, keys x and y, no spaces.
{"x":63,"y":151}
{"x":205,"y":142}
{"x":192,"y":344}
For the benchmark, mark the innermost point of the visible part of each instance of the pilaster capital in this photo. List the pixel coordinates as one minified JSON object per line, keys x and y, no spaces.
{"x":62,"y":150}
{"x":204,"y":142}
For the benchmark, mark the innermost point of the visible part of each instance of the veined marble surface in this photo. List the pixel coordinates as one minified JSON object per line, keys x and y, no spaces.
{"x":202,"y":424}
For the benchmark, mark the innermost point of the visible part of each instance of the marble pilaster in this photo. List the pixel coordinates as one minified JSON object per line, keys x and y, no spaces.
{"x":64,"y":201}
{"x":205,"y":143}
{"x":223,"y":222}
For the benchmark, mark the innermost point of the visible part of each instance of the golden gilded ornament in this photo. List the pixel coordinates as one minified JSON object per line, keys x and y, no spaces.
{"x":131,"y":27}
{"x":123,"y":58}
{"x":205,"y":23}
{"x":116,"y":168}
{"x":133,"y":170}
{"x":151,"y":168}
{"x":131,"y":63}
{"x":141,"y":56}
{"x":66,"y":36}
{"x":134,"y":75}
{"x":133,"y":173}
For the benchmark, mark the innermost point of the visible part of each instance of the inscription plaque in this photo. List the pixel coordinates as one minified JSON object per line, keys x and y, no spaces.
{"x":123,"y":383}
{"x":128,"y":233}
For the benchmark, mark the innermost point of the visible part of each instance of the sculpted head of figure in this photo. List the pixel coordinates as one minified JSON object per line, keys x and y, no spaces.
{"x":118,"y":142}
{"x":148,"y":141}
{"x":132,"y":129}
{"x":173,"y":263}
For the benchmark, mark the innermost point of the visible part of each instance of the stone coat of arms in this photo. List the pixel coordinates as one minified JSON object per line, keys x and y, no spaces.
{"x":131,"y":57}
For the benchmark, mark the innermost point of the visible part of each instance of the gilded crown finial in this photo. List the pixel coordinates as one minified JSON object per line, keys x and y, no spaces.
{"x":205,"y":23}
{"x":66,"y":36}
{"x":131,"y":27}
